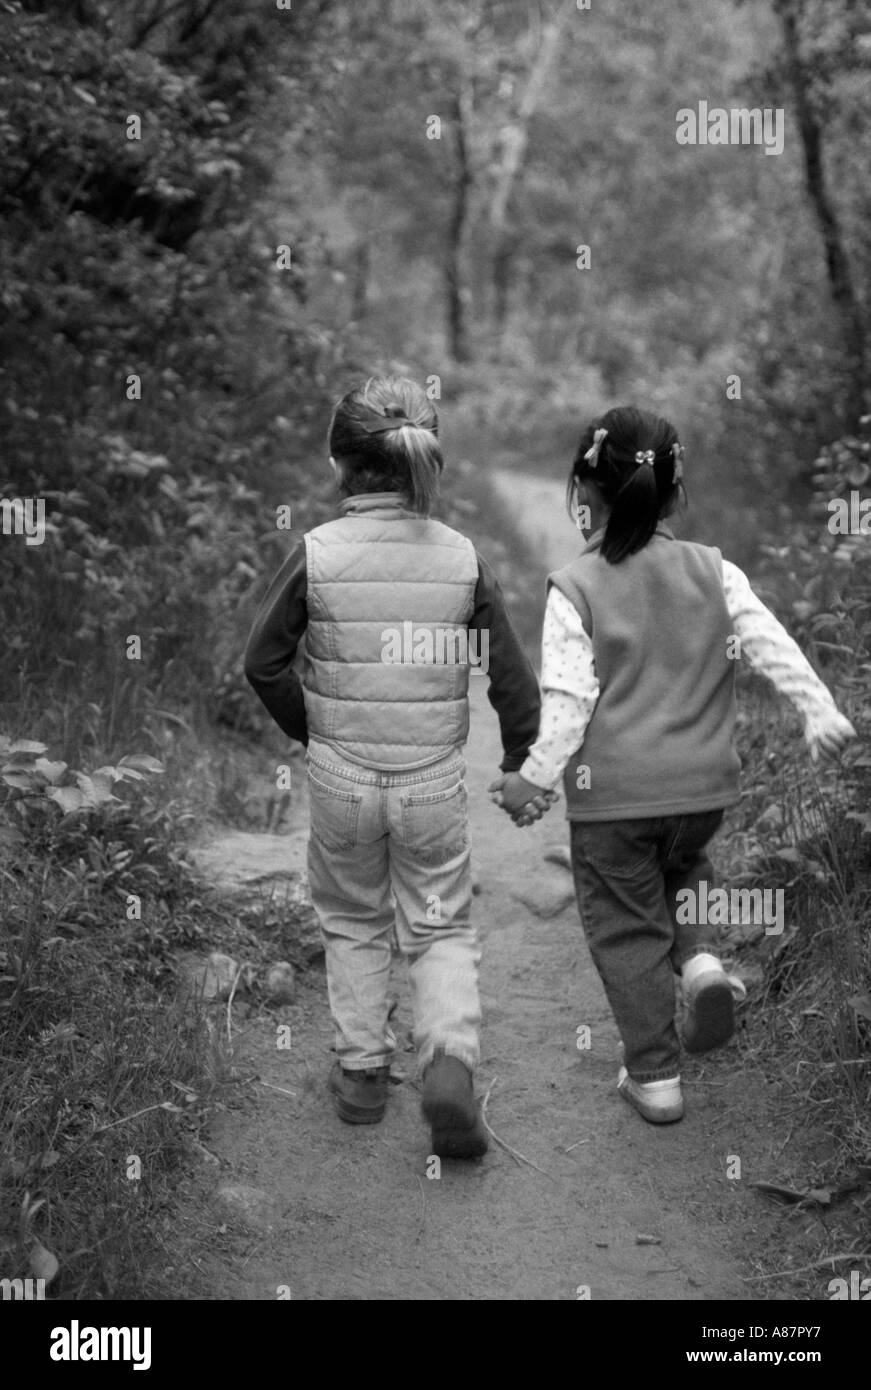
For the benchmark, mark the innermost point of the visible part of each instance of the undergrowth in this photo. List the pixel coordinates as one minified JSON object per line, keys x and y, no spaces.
{"x":107,"y":1069}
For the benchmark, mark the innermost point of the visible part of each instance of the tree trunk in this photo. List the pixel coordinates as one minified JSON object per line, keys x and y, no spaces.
{"x":458,"y":344}
{"x":837,"y":261}
{"x":360,"y":282}
{"x":515,"y":138}
{"x":501,"y":281}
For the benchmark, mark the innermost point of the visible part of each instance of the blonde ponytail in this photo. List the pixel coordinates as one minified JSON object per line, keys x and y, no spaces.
{"x":376,"y":455}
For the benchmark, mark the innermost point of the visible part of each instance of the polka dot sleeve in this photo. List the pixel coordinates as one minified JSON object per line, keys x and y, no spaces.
{"x":771,"y":651}
{"x":570,"y":689}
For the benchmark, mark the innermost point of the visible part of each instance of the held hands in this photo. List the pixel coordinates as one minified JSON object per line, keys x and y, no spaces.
{"x":523,"y":801}
{"x":828,"y":735}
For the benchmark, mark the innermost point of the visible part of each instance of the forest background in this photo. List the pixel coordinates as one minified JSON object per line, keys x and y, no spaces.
{"x":166,"y":375}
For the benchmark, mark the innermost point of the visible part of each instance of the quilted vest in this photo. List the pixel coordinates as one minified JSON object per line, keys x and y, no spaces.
{"x":661,"y":738}
{"x":389,"y":597}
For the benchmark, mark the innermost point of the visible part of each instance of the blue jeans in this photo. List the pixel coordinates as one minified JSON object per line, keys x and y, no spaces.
{"x":627,"y":875}
{"x":389,"y":855}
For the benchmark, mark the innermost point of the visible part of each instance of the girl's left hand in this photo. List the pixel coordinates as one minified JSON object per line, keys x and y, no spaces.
{"x":829,"y":735}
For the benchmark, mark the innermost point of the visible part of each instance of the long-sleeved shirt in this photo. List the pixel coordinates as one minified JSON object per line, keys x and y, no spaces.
{"x":570,"y":686}
{"x":281,"y":622}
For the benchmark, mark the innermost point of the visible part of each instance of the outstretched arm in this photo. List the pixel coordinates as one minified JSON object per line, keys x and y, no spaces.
{"x":772,"y":653}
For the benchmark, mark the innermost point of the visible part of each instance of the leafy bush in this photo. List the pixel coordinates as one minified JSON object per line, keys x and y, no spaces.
{"x":808,"y":829}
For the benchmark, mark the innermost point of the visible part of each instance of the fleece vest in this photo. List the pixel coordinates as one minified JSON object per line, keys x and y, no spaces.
{"x":389,"y":597}
{"x":661,"y":737}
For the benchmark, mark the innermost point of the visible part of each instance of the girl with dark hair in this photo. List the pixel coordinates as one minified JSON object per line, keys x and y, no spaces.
{"x":640,"y":639}
{"x":385,"y":724}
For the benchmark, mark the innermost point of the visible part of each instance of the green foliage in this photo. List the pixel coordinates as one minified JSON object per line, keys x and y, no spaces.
{"x":97,"y":1067}
{"x":151,"y":258}
{"x":707,"y":263}
{"x":100,"y":1062}
{"x":807,"y":829}
{"x":155,"y":258}
{"x":38,"y":781}
{"x":825,"y":577}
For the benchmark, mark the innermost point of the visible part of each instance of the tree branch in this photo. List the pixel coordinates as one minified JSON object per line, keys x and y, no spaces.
{"x":516,"y":134}
{"x":456,"y":226}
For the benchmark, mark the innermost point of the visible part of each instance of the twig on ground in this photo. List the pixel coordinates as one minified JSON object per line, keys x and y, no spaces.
{"x":786,"y":1141}
{"x":230,"y":1007}
{"x":806,"y":1269}
{"x":842,"y":1062}
{"x":280,"y":1089}
{"x":515,"y":1153}
{"x":125,"y":1119}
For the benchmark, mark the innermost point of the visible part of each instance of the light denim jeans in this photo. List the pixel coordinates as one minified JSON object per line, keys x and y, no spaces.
{"x":389,"y":852}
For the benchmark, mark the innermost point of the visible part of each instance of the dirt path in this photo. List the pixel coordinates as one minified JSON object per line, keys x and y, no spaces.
{"x":612,"y":1209}
{"x":540,"y":505}
{"x":333,"y":1212}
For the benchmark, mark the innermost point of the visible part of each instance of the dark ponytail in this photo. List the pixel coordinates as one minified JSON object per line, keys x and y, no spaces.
{"x":377,"y":457}
{"x":634,"y":458}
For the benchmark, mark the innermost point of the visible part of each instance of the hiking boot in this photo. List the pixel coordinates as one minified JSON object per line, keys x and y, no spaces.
{"x":710,"y":996}
{"x":360,"y":1097}
{"x":659,"y":1102}
{"x":449,"y":1105}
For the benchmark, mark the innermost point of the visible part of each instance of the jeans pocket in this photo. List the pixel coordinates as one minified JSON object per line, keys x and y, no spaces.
{"x":619,"y":849}
{"x":335,"y":814}
{"x":434,"y":823}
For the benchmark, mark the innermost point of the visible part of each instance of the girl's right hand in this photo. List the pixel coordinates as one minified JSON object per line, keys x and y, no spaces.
{"x":508,"y":786}
{"x":827,"y":735}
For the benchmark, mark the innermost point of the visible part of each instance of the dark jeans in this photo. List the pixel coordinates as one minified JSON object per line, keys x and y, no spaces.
{"x":627,"y":875}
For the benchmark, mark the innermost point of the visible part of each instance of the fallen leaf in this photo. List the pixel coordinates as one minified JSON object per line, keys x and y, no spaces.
{"x":820,"y":1196}
{"x":44,"y":1264}
{"x":785,"y":1194}
{"x":815,"y":1196}
{"x":861,"y":1004}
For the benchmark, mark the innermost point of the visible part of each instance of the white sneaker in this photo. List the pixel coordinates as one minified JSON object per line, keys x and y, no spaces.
{"x":710,"y":996}
{"x":659,"y":1102}
{"x":739,"y":989}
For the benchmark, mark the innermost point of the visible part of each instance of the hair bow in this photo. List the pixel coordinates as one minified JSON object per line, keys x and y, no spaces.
{"x":677,"y":451}
{"x":592,"y":454}
{"x":390,"y":422}
{"x":645,"y":456}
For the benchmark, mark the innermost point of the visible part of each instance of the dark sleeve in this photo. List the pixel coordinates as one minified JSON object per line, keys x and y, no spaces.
{"x":513,"y":690}
{"x":278,"y":628}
